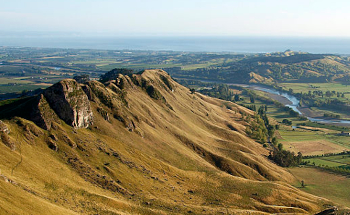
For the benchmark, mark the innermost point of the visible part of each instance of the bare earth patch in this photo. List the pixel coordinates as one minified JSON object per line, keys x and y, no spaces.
{"x":315,"y":147}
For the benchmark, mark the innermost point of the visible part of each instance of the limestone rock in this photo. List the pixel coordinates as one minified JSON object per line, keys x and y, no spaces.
{"x":4,"y":128}
{"x":70,"y":103}
{"x":4,"y":137}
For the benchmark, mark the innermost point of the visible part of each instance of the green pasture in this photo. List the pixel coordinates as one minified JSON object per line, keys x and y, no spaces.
{"x":321,"y":183}
{"x":20,"y":88}
{"x":306,"y":87}
{"x":137,"y":66}
{"x":295,"y":136}
{"x":324,"y":162}
{"x":343,"y":159}
{"x":13,"y":81}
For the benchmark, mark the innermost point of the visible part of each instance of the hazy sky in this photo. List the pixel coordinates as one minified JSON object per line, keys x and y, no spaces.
{"x":179,"y":17}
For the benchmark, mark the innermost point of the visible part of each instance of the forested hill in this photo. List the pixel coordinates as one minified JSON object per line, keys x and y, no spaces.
{"x":268,"y":68}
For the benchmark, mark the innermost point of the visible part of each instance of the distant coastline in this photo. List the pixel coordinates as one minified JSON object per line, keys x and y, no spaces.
{"x":187,"y":44}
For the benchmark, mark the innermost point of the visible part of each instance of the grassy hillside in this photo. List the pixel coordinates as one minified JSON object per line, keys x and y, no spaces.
{"x":271,"y":68}
{"x":154,"y":148}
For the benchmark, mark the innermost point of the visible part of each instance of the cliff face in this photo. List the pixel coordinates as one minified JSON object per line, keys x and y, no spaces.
{"x":42,"y":114}
{"x":70,"y":103}
{"x":4,"y":128}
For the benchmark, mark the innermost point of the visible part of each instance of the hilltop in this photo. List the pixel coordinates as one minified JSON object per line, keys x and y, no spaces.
{"x":137,"y":144}
{"x":272,"y":68}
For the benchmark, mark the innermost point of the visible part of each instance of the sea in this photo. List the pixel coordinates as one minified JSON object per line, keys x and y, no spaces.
{"x":317,"y":45}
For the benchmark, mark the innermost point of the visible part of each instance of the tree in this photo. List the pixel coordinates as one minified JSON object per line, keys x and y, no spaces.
{"x":192,"y":90}
{"x":280,"y":146}
{"x":252,"y":99}
{"x":274,"y":141}
{"x":293,"y":113}
{"x":236,"y":97}
{"x":287,"y":122}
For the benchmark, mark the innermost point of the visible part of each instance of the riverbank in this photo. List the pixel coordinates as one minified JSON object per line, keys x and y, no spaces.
{"x":288,"y":100}
{"x":314,"y":116}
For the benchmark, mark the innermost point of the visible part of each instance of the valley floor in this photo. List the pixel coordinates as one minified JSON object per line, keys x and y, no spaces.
{"x":321,"y":183}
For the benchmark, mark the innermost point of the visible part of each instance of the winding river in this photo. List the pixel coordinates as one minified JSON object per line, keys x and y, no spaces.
{"x":295,"y":104}
{"x":292,"y":99}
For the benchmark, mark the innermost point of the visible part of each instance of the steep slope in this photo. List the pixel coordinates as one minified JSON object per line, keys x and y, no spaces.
{"x":146,"y":145}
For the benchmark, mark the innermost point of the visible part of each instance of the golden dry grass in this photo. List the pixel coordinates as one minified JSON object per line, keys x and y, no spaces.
{"x":314,"y":147}
{"x":191,"y":158}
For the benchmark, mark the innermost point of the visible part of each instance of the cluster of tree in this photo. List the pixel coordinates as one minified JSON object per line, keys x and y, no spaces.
{"x":337,"y":116}
{"x":287,"y":122}
{"x":334,"y":104}
{"x":285,"y":158}
{"x":221,"y":91}
{"x":311,"y":96}
{"x":260,"y":128}
{"x":327,"y":155}
{"x":343,"y":170}
{"x":250,"y":107}
{"x":257,"y":129}
{"x":316,"y":98}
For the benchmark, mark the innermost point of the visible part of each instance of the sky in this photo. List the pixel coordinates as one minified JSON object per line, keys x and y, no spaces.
{"x":301,"y":18}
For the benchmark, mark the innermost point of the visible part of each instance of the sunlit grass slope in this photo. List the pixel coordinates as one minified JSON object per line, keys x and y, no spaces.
{"x":153,"y":148}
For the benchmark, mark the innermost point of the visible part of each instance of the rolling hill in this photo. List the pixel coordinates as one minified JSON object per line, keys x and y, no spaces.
{"x":271,"y":68}
{"x":137,"y":144}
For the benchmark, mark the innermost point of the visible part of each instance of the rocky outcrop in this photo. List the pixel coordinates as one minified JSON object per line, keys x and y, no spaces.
{"x":4,"y":137}
{"x":329,"y":211}
{"x":70,"y":103}
{"x":4,"y":128}
{"x":42,"y":114}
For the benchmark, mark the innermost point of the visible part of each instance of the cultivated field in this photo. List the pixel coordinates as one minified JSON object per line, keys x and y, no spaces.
{"x":313,"y":142}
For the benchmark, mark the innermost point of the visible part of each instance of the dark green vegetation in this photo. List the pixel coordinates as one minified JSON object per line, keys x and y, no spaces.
{"x":329,"y":100}
{"x":285,"y":158}
{"x":275,"y":67}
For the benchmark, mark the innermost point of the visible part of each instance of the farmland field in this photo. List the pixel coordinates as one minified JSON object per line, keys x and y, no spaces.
{"x":321,"y":183}
{"x":313,"y":142}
